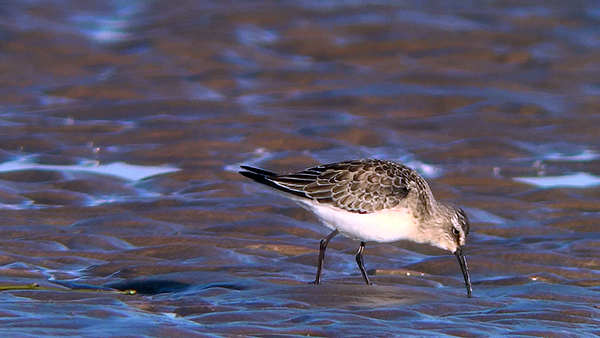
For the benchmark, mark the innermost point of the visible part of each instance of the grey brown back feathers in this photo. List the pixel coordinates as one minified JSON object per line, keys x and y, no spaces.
{"x":361,"y":186}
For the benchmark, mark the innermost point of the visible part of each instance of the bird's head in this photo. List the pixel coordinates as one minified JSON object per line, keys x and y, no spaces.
{"x":450,"y":232}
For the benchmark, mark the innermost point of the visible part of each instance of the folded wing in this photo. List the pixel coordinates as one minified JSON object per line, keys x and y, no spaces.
{"x":362,"y":186}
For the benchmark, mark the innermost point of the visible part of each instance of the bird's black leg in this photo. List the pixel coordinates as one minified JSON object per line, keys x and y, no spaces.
{"x":361,"y":264}
{"x":322,"y":248}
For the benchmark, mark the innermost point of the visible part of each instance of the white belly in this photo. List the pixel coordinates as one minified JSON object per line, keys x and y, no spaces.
{"x":381,"y":226}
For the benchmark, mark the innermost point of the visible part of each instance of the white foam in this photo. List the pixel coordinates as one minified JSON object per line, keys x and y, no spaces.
{"x":579,"y":180}
{"x":261,"y":155}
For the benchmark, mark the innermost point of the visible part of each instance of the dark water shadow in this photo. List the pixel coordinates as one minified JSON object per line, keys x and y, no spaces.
{"x":157,"y":286}
{"x":147,"y":286}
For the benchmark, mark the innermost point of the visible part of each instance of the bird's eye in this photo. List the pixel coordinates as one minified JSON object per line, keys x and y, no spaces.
{"x":455,"y":231}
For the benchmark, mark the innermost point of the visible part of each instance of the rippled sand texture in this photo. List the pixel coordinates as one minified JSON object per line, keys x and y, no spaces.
{"x":480,"y":97}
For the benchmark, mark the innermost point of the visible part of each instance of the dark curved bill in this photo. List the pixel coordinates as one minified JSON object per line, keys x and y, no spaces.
{"x":462,"y":261}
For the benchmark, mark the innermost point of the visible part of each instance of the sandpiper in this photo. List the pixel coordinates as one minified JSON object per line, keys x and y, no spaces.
{"x":373,"y":200}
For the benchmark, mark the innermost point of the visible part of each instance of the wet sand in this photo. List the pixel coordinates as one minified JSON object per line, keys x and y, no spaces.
{"x":473,"y":96}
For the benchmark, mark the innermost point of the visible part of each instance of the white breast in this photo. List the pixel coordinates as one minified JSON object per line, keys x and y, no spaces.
{"x":381,"y":226}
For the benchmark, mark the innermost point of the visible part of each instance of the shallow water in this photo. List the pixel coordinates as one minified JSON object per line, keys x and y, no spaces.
{"x":495,"y":103}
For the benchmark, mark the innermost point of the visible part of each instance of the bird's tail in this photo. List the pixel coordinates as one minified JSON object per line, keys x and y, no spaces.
{"x":257,"y":174}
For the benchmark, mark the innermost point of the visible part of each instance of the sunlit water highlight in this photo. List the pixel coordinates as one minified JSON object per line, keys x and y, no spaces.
{"x":579,"y":180}
{"x":118,"y":169}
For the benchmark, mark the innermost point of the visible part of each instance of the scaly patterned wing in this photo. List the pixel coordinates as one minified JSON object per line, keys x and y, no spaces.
{"x":362,"y":186}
